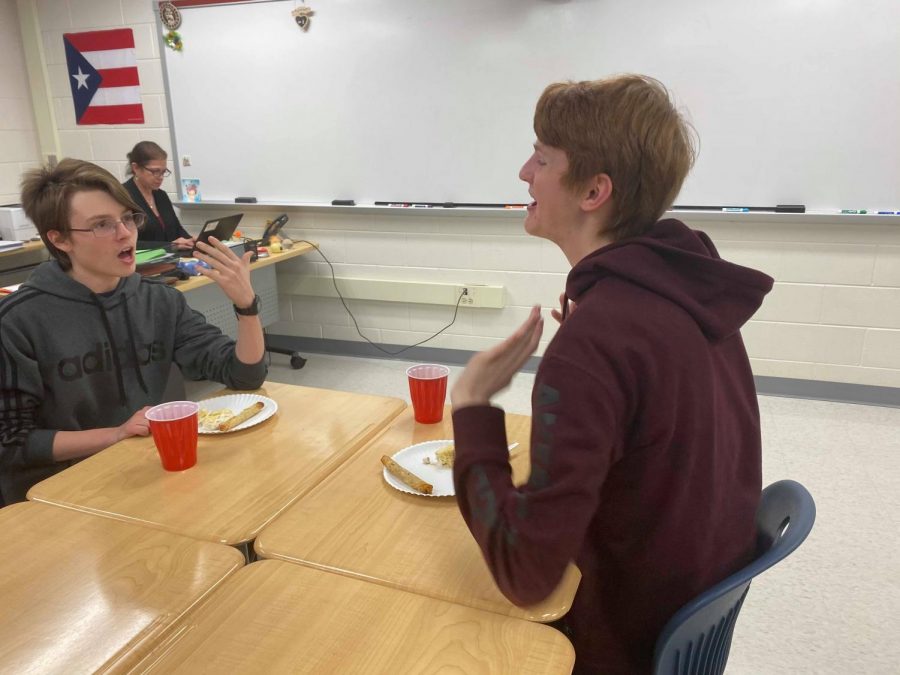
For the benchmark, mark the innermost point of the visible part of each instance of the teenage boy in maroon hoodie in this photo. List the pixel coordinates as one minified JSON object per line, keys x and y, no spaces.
{"x":645,"y":440}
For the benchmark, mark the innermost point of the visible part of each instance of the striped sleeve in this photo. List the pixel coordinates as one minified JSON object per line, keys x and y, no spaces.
{"x":21,"y":442}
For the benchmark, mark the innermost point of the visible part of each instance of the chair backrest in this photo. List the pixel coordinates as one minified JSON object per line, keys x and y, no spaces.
{"x":697,"y":639}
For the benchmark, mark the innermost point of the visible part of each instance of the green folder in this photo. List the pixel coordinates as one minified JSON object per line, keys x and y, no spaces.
{"x":142,"y":257}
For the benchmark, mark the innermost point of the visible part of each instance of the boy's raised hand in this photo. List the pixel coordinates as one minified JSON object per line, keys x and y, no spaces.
{"x":230,"y":272}
{"x":491,"y":371}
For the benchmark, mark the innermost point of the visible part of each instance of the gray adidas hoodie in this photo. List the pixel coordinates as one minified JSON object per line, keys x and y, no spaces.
{"x":72,"y":360}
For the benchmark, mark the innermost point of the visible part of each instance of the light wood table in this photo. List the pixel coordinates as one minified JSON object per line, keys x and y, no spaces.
{"x":241,"y":480}
{"x":83,"y":594}
{"x":272,"y":617}
{"x":356,"y":524}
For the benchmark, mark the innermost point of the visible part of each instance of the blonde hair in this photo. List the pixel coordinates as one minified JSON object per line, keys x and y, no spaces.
{"x":628,"y":128}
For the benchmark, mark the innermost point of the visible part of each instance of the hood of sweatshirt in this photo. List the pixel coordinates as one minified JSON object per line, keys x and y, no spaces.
{"x":683,"y":266}
{"x":51,"y":279}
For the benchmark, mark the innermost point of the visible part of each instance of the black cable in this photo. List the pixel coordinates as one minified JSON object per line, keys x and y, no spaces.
{"x":356,"y":325}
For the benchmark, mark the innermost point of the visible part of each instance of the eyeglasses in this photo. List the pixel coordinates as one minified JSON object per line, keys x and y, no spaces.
{"x":108,"y":226}
{"x":157,"y":173}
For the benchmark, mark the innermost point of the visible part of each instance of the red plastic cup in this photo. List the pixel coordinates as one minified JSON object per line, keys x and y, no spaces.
{"x":428,"y":389}
{"x":174,"y":429}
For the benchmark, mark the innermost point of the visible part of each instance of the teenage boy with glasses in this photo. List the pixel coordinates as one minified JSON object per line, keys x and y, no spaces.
{"x":86,"y":344}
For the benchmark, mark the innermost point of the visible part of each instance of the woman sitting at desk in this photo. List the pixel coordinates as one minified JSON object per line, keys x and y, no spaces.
{"x":147,"y":164}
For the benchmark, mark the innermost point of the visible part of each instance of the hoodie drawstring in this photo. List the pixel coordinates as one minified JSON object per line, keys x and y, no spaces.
{"x":134,"y":354}
{"x":117,"y":364}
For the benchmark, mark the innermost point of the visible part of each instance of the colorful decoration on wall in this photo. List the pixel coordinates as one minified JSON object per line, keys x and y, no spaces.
{"x":103,"y":76}
{"x":303,"y":16}
{"x":173,"y":41}
{"x":170,"y":16}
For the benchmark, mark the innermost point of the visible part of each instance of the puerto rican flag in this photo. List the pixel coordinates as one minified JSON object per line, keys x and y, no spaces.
{"x":103,"y":75}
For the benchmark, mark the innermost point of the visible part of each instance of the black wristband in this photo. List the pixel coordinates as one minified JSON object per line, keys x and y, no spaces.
{"x":252,"y":310}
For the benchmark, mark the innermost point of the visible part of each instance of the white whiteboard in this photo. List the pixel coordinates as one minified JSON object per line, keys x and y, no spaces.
{"x":795,"y":101}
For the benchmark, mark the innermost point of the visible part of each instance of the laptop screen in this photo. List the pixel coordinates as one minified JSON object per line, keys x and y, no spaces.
{"x":220,"y":228}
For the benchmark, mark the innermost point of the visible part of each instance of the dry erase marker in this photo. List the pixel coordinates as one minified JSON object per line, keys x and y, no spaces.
{"x":854,"y":212}
{"x":736,"y":209}
{"x":889,"y":213}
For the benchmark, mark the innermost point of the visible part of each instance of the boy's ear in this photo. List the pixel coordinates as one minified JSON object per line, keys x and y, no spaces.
{"x":597,"y":192}
{"x":59,"y":240}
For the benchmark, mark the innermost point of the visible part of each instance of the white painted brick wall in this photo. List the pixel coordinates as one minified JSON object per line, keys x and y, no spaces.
{"x":106,"y":145}
{"x":19,"y":149}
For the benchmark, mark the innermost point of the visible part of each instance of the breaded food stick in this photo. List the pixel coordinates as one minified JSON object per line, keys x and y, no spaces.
{"x":242,"y":416}
{"x":407,"y":477}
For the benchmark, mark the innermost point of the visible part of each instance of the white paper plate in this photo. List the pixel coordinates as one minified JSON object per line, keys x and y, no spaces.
{"x":440,"y":477}
{"x":236,"y":403}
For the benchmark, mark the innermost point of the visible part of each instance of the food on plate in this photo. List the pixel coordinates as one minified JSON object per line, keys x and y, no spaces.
{"x":407,"y":477}
{"x":446,"y":455}
{"x":443,"y":456}
{"x":241,"y":417}
{"x":210,"y":419}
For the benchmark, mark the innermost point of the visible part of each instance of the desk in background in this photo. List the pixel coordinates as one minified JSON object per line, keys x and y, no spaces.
{"x":207,"y":298}
{"x":241,"y":480}
{"x":17,"y":264}
{"x":356,"y":524}
{"x":83,"y":594}
{"x":273,"y":617}
{"x":201,"y":293}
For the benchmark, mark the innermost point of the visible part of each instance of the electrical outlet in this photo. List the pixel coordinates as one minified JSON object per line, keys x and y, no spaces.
{"x":479,"y":295}
{"x":464,"y":296}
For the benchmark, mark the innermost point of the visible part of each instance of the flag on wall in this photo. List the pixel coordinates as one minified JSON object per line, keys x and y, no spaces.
{"x":103,"y":75}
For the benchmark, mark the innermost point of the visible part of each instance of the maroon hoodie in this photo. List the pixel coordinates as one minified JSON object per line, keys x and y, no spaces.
{"x":645,"y":447}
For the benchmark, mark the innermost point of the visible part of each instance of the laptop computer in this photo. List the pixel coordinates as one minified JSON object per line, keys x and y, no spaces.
{"x":220,"y":228}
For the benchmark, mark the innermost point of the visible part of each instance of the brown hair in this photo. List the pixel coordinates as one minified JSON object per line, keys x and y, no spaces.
{"x":144,"y":152}
{"x":628,"y":128}
{"x":47,"y":194}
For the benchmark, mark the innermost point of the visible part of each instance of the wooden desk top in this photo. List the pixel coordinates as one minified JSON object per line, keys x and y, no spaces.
{"x":83,"y":594}
{"x":355,"y":523}
{"x":27,"y":247}
{"x":241,"y":480}
{"x":200,"y":281}
{"x":272,"y":617}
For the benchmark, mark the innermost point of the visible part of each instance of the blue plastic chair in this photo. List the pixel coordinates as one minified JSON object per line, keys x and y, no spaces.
{"x":697,"y":639}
